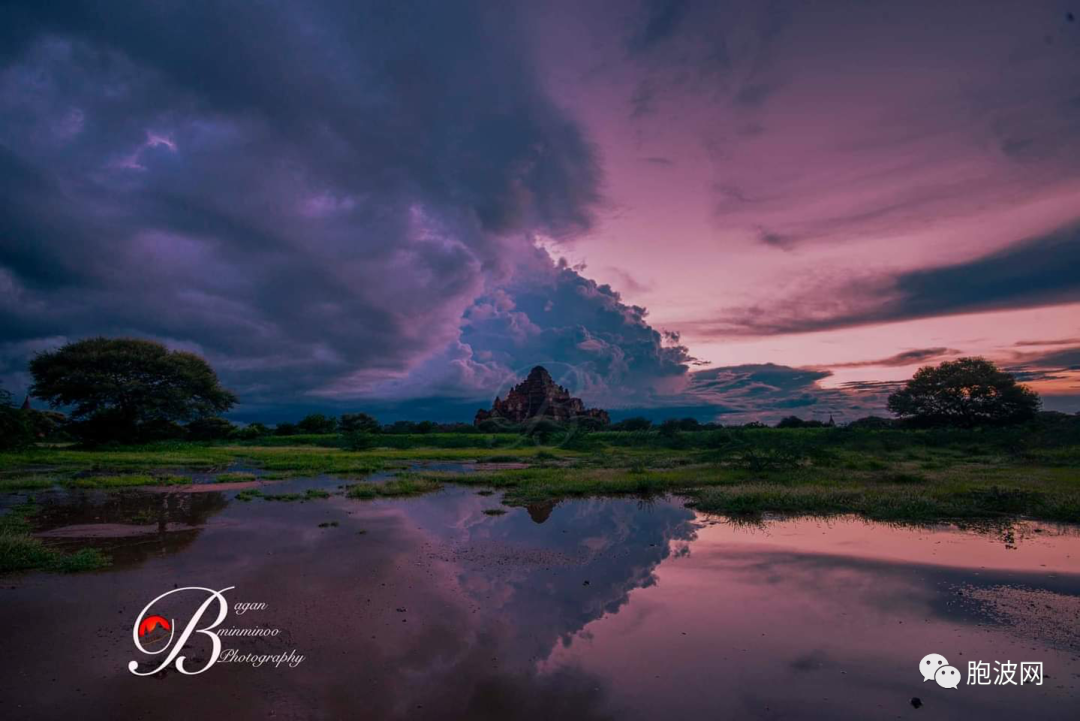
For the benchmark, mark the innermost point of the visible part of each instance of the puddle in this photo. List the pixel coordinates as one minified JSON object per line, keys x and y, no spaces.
{"x":428,"y":608}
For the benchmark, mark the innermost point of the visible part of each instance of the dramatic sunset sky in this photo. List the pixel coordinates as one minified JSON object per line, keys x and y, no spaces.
{"x":730,"y":210}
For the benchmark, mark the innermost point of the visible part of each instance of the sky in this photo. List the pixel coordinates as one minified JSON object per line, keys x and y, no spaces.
{"x":725,"y":210}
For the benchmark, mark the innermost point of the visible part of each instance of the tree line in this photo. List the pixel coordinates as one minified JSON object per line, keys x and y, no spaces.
{"x":131,"y":391}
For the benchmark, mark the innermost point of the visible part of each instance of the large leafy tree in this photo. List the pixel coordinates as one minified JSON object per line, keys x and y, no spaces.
{"x":964,"y":392}
{"x":122,"y":388}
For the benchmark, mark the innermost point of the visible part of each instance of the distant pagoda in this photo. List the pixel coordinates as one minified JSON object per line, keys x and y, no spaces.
{"x":538,"y":396}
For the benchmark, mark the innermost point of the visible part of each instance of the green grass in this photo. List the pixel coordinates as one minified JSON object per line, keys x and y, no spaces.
{"x":888,"y":503}
{"x":278,"y":461}
{"x":962,"y":491}
{"x":27,"y":483}
{"x":235,"y":477}
{"x":1032,"y":470}
{"x":406,"y":485}
{"x":311,"y":494}
{"x":19,"y":551}
{"x":127,"y":481}
{"x":533,"y":485}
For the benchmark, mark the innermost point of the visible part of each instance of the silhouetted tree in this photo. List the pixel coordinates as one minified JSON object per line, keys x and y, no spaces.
{"x":672,"y":426}
{"x":637,"y":423}
{"x":397,"y":427}
{"x":872,"y":423}
{"x":317,"y":423}
{"x":123,"y":389}
{"x":965,"y":392}
{"x":796,"y":422}
{"x":285,"y":429}
{"x":358,"y":423}
{"x":252,"y":431}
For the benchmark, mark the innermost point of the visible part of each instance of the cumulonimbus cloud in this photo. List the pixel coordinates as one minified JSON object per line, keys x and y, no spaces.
{"x":298,"y":206}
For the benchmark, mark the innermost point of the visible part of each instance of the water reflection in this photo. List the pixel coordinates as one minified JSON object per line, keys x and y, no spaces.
{"x":589,"y":609}
{"x":129,"y":525}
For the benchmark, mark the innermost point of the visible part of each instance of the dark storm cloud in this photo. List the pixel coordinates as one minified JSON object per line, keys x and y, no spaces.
{"x":297,"y":191}
{"x":548,"y":314}
{"x":767,"y":392}
{"x":1037,"y":272}
{"x":1064,"y":358}
{"x":906,"y":358}
{"x":1059,"y":364}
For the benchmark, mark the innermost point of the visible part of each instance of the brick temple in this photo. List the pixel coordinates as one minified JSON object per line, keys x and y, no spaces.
{"x":538,"y":396}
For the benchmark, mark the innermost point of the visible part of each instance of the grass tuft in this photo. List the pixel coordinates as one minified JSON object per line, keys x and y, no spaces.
{"x":407,"y":485}
{"x":19,"y":551}
{"x":27,"y":483}
{"x":235,"y":477}
{"x":127,"y":481}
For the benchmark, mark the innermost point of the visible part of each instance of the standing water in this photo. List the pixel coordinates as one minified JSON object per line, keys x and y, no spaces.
{"x":430,"y":608}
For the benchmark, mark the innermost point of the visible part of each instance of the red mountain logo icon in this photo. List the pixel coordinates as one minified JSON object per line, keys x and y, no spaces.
{"x":152,"y":622}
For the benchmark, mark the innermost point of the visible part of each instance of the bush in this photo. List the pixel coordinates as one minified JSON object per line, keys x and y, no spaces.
{"x":285,"y":429}
{"x":358,"y":423}
{"x":397,"y":427}
{"x":48,"y":425}
{"x":542,"y":430}
{"x":458,"y":428}
{"x":673,"y":426}
{"x":210,"y":429}
{"x":579,"y":438}
{"x":498,"y":425}
{"x":360,"y":441}
{"x":16,"y":430}
{"x":637,"y":423}
{"x":588,"y":423}
{"x":796,"y":422}
{"x":115,"y":428}
{"x":317,"y":423}
{"x":872,"y":423}
{"x":160,"y":430}
{"x":252,"y":431}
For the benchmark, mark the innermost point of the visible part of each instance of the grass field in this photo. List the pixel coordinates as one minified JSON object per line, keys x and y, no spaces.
{"x":888,"y":474}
